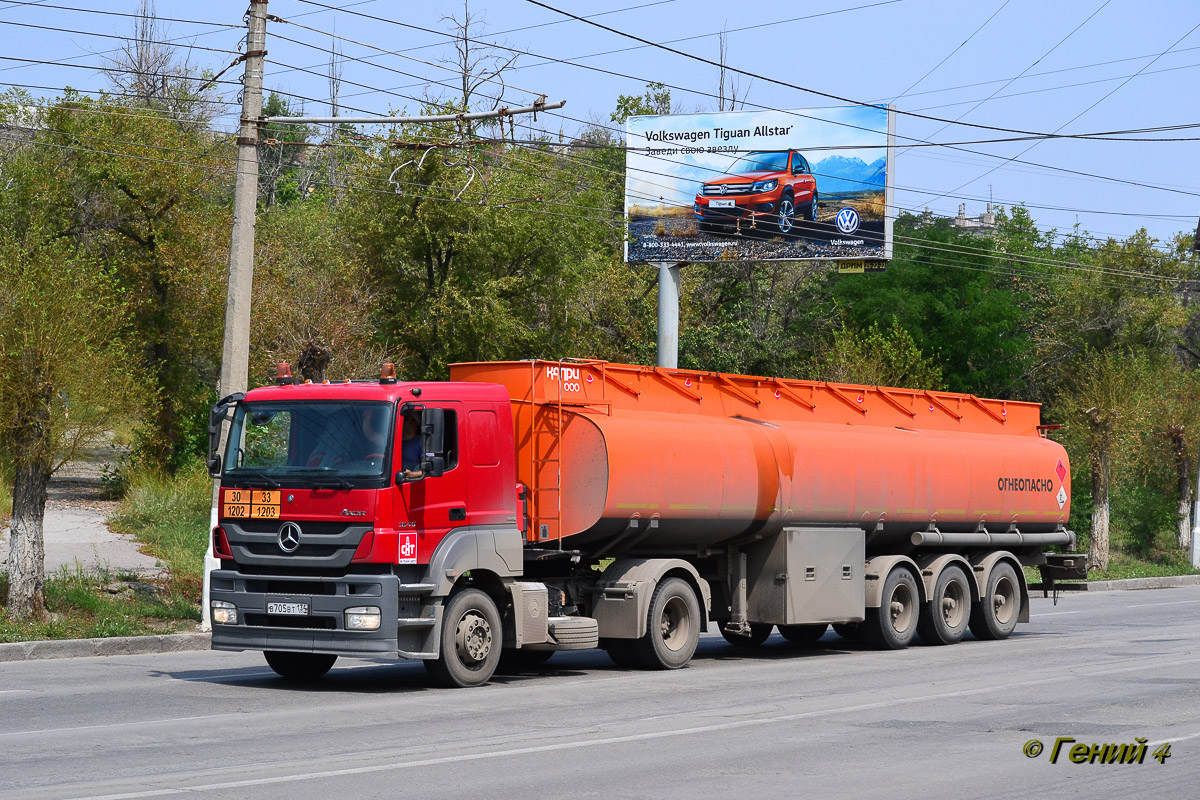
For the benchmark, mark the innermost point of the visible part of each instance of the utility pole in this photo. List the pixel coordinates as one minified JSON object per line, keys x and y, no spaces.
{"x":235,"y":352}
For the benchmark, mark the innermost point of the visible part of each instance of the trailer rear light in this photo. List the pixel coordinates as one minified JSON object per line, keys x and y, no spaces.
{"x":221,"y":548}
{"x":365,"y":546}
{"x":363,"y":618}
{"x":224,"y":613}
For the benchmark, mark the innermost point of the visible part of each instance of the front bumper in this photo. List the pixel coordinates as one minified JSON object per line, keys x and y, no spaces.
{"x":744,"y":206}
{"x":322,"y":630}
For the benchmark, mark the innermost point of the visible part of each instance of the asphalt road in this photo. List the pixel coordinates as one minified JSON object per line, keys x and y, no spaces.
{"x":834,"y":721}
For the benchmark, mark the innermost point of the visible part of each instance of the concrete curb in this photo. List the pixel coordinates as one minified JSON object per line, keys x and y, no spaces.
{"x":1167,"y":582}
{"x":180,"y":642}
{"x":114,"y":646}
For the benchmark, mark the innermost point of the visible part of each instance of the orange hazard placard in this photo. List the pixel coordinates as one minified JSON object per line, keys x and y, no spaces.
{"x":250,"y":504}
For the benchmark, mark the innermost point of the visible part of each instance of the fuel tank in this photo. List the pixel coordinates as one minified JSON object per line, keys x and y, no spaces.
{"x":668,"y":460}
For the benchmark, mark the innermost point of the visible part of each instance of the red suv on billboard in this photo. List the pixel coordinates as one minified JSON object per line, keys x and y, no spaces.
{"x":761,"y":186}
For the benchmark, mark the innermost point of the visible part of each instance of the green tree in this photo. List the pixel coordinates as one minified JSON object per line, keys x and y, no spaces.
{"x":66,"y":379}
{"x":656,"y":100}
{"x":876,"y":357}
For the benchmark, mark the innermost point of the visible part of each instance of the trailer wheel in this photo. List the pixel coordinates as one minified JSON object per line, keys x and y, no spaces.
{"x":759,"y":633}
{"x":621,"y":652}
{"x":672,"y":627}
{"x":943,"y":620}
{"x":995,"y":616}
{"x":803,"y":634}
{"x":299,"y":666}
{"x":471,"y":640}
{"x":893,"y":625}
{"x":848,"y":630}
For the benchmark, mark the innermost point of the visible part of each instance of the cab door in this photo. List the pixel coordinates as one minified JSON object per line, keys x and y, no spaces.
{"x":432,"y":506}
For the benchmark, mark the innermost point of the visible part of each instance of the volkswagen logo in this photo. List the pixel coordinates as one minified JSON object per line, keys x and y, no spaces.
{"x":847,"y":220}
{"x":289,"y":537}
{"x":724,"y":188}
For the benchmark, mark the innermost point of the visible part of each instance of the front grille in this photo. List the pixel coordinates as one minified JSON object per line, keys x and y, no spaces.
{"x":308,"y":623}
{"x":714,"y":190}
{"x":307,"y":526}
{"x":291,"y":587}
{"x":303,"y":551}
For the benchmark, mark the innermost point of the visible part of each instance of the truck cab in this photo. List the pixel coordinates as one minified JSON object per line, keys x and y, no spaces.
{"x":334,"y":500}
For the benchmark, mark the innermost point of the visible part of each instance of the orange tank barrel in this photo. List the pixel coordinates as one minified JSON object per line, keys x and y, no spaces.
{"x":696,"y":459}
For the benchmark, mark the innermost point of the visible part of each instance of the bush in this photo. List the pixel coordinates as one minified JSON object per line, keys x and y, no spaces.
{"x":169,"y":515}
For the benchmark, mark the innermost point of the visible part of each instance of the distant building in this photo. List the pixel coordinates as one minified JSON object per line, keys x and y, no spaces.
{"x":985,"y":223}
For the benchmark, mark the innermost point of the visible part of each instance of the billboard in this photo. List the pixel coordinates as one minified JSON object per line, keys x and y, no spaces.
{"x":759,"y":185}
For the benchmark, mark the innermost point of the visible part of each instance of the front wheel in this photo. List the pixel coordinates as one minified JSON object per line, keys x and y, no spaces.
{"x":470,"y":643}
{"x":299,"y":666}
{"x":786,"y":219}
{"x":672,"y":627}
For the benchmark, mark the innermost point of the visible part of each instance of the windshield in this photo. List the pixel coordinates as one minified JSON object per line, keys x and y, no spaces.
{"x":760,"y":162}
{"x":310,"y":442}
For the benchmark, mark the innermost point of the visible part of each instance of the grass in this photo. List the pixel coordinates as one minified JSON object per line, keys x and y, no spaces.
{"x":81,"y":608}
{"x":169,"y":517}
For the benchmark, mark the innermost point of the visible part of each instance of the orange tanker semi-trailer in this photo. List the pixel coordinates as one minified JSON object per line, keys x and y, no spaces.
{"x":778,"y":502}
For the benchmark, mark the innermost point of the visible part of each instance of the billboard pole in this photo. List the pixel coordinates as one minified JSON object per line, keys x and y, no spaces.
{"x":668,"y":315}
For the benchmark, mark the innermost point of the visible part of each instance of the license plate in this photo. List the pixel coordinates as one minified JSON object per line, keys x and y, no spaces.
{"x":722,"y":203}
{"x":288,"y":609}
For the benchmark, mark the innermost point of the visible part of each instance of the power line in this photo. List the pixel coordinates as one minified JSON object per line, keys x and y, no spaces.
{"x":950,"y":55}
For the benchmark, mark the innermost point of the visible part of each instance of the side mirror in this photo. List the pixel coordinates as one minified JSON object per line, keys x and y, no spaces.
{"x":216,"y":418}
{"x":433,"y":427}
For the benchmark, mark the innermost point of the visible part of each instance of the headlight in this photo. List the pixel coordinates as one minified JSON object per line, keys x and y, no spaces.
{"x":224,"y":613}
{"x":363,"y":618}
{"x":764,"y":186}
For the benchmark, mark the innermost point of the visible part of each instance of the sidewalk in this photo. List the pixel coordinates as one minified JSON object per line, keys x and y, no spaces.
{"x":75,"y":533}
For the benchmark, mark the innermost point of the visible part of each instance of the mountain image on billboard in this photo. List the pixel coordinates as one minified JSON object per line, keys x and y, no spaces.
{"x":758,"y":186}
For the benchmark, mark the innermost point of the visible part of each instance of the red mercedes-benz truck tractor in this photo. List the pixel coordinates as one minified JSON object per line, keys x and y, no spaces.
{"x":522,"y":508}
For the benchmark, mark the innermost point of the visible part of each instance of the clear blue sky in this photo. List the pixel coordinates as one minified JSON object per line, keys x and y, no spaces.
{"x":890,"y":51}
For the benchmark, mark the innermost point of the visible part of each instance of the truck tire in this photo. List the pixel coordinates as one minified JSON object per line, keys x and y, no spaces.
{"x":471,"y":641}
{"x":621,"y":652}
{"x":995,"y":616}
{"x":803,"y":634}
{"x":516,"y":661}
{"x":299,"y":666}
{"x":851,"y":631}
{"x":759,"y":633}
{"x":943,"y":620}
{"x":672,"y":627}
{"x":893,"y":625}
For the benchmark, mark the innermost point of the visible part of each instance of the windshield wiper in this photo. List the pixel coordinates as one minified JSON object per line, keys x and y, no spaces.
{"x":332,"y":483}
{"x":250,"y":477}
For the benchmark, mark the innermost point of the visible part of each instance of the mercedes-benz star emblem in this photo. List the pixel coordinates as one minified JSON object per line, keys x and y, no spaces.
{"x":289,"y":537}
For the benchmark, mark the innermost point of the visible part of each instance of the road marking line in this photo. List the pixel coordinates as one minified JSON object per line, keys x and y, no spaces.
{"x":1173,"y":603}
{"x":636,"y":737}
{"x":16,"y":691}
{"x":1172,"y":741}
{"x":116,"y":725}
{"x":1056,"y":614}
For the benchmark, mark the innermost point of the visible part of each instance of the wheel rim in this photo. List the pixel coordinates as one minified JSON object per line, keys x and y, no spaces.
{"x":675,"y":624}
{"x":901,"y":608}
{"x":786,"y":212}
{"x":473,"y":638}
{"x":954,"y":604}
{"x":1004,"y":600}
